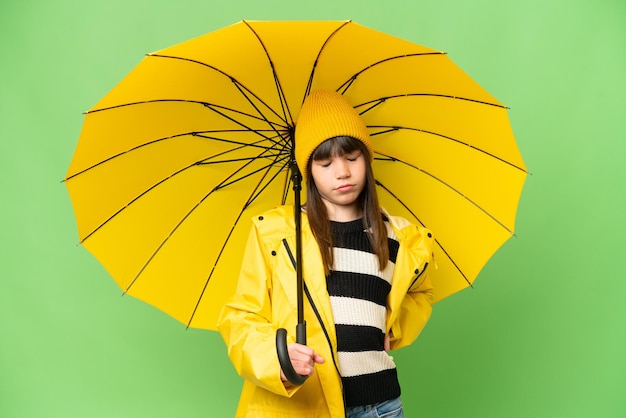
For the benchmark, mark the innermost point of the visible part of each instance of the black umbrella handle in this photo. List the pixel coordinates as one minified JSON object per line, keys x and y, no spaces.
{"x":283,"y":354}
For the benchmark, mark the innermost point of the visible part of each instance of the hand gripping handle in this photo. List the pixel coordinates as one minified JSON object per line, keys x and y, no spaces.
{"x":283,"y":354}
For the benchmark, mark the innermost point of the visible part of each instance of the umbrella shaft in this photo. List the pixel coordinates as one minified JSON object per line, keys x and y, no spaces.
{"x":297,"y":186}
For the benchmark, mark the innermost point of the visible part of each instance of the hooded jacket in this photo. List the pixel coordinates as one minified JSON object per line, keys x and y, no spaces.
{"x":265,"y":300}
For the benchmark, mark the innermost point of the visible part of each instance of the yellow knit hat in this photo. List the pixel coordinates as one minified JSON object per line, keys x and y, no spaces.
{"x":326,"y":114}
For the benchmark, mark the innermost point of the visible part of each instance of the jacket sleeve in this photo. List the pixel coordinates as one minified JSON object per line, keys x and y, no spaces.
{"x":414,"y":312}
{"x":246,"y":325}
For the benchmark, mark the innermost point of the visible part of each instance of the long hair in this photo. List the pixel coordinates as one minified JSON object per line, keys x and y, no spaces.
{"x":368,"y":202}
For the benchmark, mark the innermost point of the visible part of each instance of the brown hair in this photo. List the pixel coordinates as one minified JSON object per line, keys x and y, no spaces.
{"x":368,"y":201}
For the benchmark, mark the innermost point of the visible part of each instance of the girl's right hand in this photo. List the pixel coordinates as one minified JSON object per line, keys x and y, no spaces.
{"x":303,"y":359}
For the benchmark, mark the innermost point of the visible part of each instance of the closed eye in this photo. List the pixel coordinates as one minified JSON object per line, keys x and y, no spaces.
{"x":323,"y":163}
{"x":354,"y":156}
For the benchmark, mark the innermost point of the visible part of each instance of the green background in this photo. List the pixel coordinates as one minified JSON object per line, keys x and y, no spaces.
{"x":542,"y":334}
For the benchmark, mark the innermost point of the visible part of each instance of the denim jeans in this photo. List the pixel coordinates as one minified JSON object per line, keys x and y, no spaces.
{"x":387,"y":409}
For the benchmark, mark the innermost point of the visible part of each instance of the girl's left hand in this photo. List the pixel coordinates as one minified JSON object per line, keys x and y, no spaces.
{"x":387,"y":343}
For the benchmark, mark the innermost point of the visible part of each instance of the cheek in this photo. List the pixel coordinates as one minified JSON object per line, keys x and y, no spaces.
{"x":362,"y":171}
{"x":317,"y":176}
{"x":314,"y":177}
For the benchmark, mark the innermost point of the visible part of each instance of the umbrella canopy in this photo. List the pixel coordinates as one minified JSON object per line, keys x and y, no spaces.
{"x":171,"y":164}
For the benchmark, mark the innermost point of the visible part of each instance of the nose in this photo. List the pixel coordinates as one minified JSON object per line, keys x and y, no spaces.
{"x":342,"y":169}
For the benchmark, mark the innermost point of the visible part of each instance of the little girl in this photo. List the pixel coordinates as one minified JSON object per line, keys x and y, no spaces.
{"x":366,"y":283}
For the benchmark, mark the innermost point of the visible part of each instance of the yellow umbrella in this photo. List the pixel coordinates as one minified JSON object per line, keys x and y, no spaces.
{"x":175,"y":160}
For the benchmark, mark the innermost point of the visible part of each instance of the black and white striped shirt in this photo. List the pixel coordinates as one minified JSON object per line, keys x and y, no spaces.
{"x":358,"y":294}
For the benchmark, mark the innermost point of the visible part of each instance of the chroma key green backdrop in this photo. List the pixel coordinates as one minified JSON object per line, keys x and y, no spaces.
{"x":543,"y":332}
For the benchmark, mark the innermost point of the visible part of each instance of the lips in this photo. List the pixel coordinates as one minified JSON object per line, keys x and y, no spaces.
{"x":345,"y":188}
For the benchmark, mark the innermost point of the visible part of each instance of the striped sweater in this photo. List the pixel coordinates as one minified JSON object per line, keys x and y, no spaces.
{"x":358,"y":294}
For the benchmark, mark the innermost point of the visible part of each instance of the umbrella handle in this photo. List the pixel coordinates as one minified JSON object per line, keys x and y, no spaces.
{"x":283,"y":355}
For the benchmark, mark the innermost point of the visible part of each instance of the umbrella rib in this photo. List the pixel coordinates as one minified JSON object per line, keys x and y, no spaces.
{"x":385,"y":188}
{"x":256,"y":144}
{"x":196,"y":163}
{"x":207,"y":161}
{"x":279,"y":155}
{"x":198,"y":134}
{"x":219,"y":255}
{"x":243,"y":90}
{"x":389,"y":128}
{"x":286,"y":186}
{"x":201,"y":134}
{"x":317,"y":58}
{"x":448,"y":185}
{"x":215,"y":109}
{"x":182,"y":220}
{"x":237,"y":83}
{"x":287,"y":117}
{"x":233,"y":180}
{"x":348,"y":83}
{"x":255,"y":193}
{"x":211,"y":106}
{"x":239,"y":87}
{"x":373,"y":103}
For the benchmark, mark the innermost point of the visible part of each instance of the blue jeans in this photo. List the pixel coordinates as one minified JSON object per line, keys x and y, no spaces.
{"x":387,"y":409}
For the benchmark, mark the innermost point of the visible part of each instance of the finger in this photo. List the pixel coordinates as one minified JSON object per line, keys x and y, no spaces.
{"x":318,"y":359}
{"x":303,"y":369}
{"x":302,"y":349}
{"x":300,"y":354}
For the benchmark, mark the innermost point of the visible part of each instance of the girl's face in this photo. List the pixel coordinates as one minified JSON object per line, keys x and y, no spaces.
{"x":340,"y":179}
